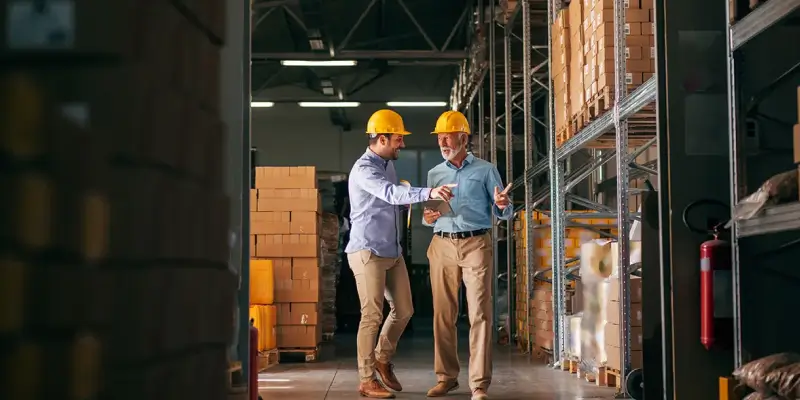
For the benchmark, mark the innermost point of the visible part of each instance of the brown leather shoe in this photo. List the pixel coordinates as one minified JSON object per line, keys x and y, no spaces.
{"x":374,"y":389}
{"x":443,"y":388}
{"x":387,"y":376}
{"x":479,"y":394}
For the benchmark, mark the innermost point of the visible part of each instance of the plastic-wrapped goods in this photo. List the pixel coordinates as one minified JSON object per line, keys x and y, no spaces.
{"x":574,"y":338}
{"x":754,"y":374}
{"x":785,"y":381}
{"x":595,"y":268}
{"x":781,"y":188}
{"x":761,"y":396}
{"x":330,"y":266}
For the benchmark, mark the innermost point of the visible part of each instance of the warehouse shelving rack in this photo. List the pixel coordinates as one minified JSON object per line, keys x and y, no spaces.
{"x":625,"y":106}
{"x":557,"y":156}
{"x":774,"y":219}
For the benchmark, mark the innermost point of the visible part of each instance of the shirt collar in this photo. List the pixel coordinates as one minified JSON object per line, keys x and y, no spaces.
{"x":372,"y":156}
{"x":467,"y":161}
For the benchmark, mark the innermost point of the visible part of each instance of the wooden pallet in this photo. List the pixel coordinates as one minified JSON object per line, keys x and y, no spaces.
{"x":608,"y":377}
{"x":307,"y":354}
{"x":641,"y":126}
{"x":573,"y":366}
{"x":570,"y":365}
{"x":267,"y":359}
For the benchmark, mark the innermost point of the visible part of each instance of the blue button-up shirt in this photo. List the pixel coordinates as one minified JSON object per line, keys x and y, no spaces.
{"x":473,"y":201}
{"x":374,"y":199}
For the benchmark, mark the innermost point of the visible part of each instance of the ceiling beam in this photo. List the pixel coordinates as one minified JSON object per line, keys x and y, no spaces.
{"x":366,"y":55}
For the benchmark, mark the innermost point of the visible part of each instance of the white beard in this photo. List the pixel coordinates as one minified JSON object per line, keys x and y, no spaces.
{"x":453,"y":152}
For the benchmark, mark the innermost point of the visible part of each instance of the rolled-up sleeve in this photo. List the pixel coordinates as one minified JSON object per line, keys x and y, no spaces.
{"x":373,"y":181}
{"x":493,"y":181}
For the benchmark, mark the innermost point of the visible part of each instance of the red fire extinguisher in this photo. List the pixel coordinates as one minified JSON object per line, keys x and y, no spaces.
{"x":715,"y":269}
{"x":253,"y":378}
{"x":715,"y":279}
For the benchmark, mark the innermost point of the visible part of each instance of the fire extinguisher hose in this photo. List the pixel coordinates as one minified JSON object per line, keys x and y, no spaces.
{"x":717,"y":228}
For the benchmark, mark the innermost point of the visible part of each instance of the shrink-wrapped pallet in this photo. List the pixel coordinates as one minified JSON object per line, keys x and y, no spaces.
{"x":574,"y":337}
{"x":596,"y":266}
{"x":330,"y":266}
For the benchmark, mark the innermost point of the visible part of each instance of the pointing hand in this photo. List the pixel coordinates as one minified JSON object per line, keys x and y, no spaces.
{"x":501,"y":199}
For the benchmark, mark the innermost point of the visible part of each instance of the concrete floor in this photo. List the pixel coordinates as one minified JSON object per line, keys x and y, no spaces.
{"x":334,"y":377}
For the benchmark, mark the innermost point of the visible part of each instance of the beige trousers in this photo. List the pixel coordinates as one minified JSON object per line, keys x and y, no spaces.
{"x":376,"y":278}
{"x":451,"y":261}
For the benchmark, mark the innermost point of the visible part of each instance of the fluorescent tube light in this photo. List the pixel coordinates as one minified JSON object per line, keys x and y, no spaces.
{"x":319,"y":63}
{"x":417,"y":104}
{"x":261,"y":104}
{"x":328,"y":104}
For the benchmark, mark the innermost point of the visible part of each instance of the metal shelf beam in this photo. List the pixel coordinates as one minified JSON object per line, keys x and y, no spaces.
{"x":630,"y":105}
{"x":785,"y":217}
{"x":766,"y":15}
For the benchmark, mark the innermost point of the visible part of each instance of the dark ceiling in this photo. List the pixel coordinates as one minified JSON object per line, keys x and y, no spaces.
{"x":384,"y":36}
{"x":389,"y":38}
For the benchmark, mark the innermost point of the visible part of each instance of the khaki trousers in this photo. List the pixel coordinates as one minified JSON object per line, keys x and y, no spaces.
{"x":451,"y":261}
{"x":376,"y":278}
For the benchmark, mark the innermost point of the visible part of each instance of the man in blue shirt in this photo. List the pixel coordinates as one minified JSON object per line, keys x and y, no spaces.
{"x":374,"y":252}
{"x":462,"y":249}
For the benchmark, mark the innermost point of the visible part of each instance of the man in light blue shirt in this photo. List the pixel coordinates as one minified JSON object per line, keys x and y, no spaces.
{"x":374,"y":252}
{"x":462,"y":249}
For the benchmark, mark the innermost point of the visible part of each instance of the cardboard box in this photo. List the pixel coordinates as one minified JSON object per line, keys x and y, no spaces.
{"x":613,"y":338}
{"x":289,"y":200}
{"x":299,"y":336}
{"x":796,"y":140}
{"x":298,"y":313}
{"x":614,"y":313}
{"x":286,"y":177}
{"x":305,"y":268}
{"x":268,"y":246}
{"x":635,"y":290}
{"x":284,"y":222}
{"x":296,"y":281}
{"x":614,"y":356}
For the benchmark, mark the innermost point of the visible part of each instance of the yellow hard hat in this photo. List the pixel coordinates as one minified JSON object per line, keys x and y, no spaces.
{"x":386,"y":122}
{"x":451,"y":122}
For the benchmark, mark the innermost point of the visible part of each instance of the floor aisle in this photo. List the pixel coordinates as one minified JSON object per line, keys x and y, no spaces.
{"x":335,"y":377}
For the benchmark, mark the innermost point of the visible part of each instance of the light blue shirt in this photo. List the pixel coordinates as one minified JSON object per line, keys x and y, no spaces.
{"x":374,"y":199}
{"x":473,"y":201}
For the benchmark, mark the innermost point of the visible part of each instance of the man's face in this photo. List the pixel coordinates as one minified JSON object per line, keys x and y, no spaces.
{"x":391,"y":145}
{"x":451,"y":144}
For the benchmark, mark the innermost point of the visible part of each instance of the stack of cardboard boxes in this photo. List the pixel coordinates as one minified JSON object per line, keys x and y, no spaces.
{"x":612,"y":334}
{"x":540,"y":307}
{"x":583,"y":57}
{"x":263,"y":313}
{"x":285,"y":228}
{"x":115,"y":205}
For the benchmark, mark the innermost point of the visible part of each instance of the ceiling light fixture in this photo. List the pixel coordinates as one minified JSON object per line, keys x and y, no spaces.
{"x":417,"y":104}
{"x":319,"y":63}
{"x":312,"y":104}
{"x":261,"y":104}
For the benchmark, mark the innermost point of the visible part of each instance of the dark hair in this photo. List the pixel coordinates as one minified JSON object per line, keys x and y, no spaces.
{"x":373,"y":138}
